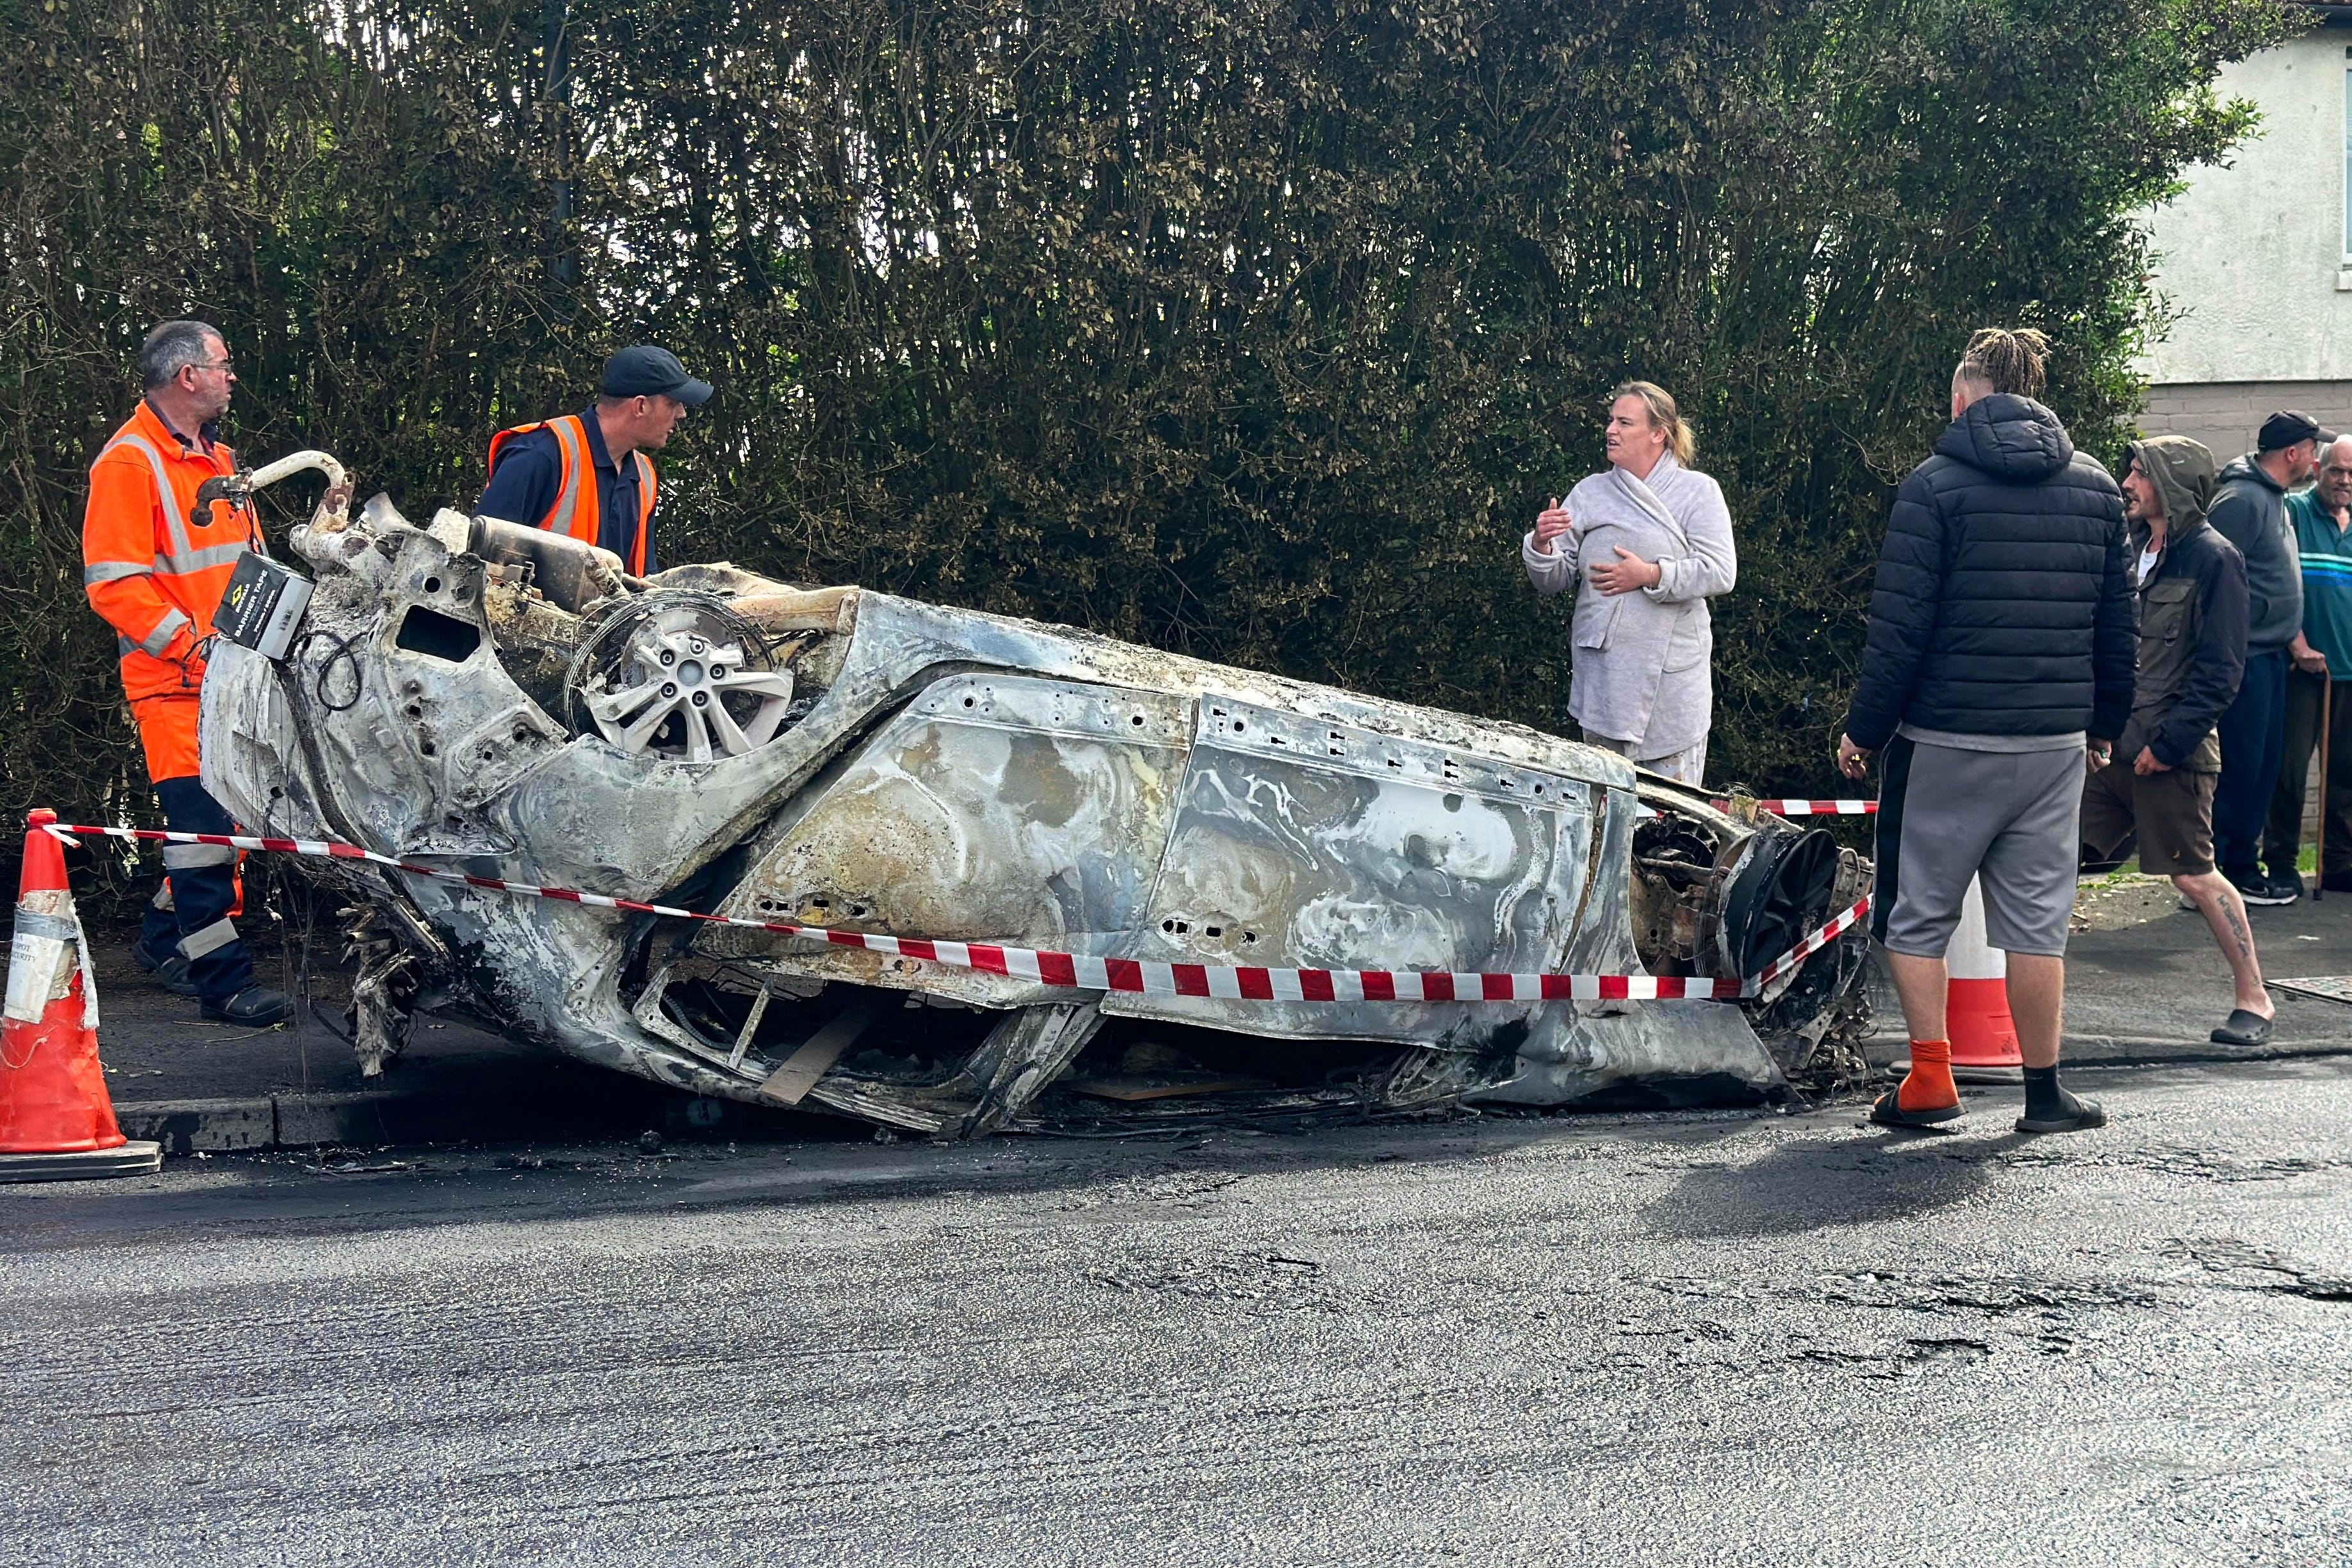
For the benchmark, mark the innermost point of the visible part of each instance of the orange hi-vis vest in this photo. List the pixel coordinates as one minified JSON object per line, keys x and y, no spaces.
{"x":579,"y":508}
{"x":155,"y":575}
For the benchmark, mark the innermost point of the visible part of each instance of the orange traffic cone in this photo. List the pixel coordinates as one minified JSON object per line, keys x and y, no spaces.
{"x":57,"y":1122}
{"x":1975,"y":1002}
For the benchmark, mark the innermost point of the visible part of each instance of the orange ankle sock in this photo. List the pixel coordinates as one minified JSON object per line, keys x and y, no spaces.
{"x":1928,"y":1085}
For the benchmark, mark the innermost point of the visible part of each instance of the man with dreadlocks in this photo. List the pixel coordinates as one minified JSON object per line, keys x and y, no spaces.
{"x":1999,"y":663}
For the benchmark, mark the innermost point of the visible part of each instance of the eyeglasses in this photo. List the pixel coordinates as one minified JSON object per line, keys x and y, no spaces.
{"x":220,"y":365}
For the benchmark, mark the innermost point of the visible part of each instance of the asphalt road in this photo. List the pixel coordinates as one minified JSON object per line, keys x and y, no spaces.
{"x":1721,"y":1339}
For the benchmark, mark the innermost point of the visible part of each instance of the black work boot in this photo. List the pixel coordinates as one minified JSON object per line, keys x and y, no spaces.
{"x":256,"y":1007}
{"x":170,"y":969}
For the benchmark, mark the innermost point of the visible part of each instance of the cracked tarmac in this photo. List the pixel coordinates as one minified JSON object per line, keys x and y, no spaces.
{"x":1705,"y":1338}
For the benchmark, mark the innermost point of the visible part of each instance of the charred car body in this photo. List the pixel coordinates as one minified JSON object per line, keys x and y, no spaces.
{"x":498,"y":701}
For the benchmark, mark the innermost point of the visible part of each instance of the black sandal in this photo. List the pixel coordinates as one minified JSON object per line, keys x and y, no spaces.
{"x":2086,"y":1115}
{"x":1888,"y":1111}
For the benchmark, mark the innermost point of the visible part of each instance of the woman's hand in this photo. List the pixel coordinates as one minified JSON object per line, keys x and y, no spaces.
{"x":1626,"y":574}
{"x":1550,"y":523}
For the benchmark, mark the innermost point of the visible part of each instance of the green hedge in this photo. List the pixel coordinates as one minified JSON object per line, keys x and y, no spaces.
{"x":1254,"y":330}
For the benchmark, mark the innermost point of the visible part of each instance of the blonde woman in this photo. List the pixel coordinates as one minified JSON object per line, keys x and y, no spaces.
{"x":1645,"y":545}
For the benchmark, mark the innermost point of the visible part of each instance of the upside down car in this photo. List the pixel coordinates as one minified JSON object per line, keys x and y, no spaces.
{"x":503,"y":702}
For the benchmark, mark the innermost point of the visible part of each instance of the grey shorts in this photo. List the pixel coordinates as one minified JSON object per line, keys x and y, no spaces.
{"x":2008,"y":818}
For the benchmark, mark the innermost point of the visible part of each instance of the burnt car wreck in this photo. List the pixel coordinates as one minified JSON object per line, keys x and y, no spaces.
{"x":503,"y":702}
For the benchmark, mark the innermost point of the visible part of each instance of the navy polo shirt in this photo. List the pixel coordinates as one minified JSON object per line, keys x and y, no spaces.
{"x":530,"y":474}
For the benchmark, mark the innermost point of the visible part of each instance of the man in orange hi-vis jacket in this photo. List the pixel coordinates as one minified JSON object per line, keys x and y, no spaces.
{"x":586,"y":475}
{"x":154,"y":567}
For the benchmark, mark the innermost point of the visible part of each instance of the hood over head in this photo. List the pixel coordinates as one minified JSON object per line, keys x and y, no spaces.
{"x":2182,"y":471}
{"x":2009,"y":437}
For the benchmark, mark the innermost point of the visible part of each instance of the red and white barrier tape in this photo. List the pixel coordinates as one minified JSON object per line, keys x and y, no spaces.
{"x":1083,"y":972}
{"x":1812,"y":807}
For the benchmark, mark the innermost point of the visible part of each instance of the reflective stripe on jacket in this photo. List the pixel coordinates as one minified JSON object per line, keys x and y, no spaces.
{"x":154,"y":574}
{"x":579,"y":508}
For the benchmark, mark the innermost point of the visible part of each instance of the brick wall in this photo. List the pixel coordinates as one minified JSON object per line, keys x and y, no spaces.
{"x":2224,"y":415}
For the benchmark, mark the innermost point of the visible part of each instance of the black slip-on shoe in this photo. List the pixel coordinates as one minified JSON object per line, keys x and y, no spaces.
{"x":2246,"y":1030}
{"x":2081,"y":1117}
{"x":2253,"y":885}
{"x":2336,"y":882}
{"x":256,"y":1007}
{"x":1888,"y":1111}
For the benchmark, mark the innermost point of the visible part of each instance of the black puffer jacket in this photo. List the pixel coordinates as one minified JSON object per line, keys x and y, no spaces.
{"x":2004,"y":604}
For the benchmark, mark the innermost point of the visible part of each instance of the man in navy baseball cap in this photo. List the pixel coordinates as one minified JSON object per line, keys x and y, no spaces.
{"x":647,"y":370}
{"x":586,"y":475}
{"x":2248,"y":510}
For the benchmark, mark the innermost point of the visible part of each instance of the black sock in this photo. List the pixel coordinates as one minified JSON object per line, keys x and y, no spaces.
{"x":2044,"y":1098}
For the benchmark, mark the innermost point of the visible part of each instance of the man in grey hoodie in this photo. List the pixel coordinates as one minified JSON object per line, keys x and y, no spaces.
{"x":2250,"y":510}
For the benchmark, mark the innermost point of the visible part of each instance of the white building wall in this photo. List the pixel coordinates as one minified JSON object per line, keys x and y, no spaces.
{"x":2253,"y":256}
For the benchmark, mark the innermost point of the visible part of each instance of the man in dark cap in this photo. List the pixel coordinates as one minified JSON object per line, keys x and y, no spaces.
{"x":2249,"y":511}
{"x":586,"y":475}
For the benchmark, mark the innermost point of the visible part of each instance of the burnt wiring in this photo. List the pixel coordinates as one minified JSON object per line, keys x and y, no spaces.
{"x":345,"y":651}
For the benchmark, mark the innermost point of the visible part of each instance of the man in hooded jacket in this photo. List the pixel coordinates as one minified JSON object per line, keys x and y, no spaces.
{"x":1999,"y":657}
{"x":2192,"y":652}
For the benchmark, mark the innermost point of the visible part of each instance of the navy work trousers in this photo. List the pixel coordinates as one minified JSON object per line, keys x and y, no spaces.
{"x":203,"y":881}
{"x":2253,"y":738}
